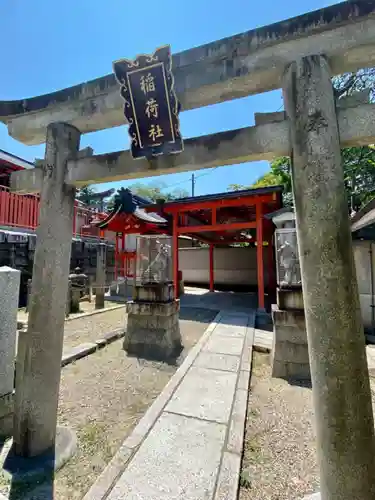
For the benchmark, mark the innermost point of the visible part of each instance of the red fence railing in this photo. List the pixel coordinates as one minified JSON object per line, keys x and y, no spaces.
{"x":18,"y":210}
{"x":22,"y":211}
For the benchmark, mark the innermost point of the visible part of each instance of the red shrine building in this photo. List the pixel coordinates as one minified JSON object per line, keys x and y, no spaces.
{"x":224,"y":219}
{"x":220,"y":220}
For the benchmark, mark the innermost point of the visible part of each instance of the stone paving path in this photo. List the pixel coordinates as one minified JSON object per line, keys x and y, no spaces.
{"x":189,"y":443}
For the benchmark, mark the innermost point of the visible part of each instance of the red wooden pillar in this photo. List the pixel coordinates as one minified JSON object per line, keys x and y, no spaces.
{"x":124,"y":255}
{"x":116,"y":256}
{"x":175,"y":254}
{"x":74,"y":219}
{"x":259,"y":221}
{"x":211,"y":267}
{"x":271,"y":265}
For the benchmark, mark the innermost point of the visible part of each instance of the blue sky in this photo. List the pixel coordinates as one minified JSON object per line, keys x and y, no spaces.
{"x":48,"y":45}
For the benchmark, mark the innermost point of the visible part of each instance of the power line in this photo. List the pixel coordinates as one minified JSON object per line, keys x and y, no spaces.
{"x":189,"y":180}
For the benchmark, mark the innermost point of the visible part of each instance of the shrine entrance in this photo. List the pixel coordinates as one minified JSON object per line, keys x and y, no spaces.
{"x":225,"y":219}
{"x":299,"y":55}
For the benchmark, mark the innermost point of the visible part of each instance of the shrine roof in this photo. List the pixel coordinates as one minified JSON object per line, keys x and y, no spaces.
{"x":227,"y":195}
{"x":12,"y":162}
{"x":150,"y":217}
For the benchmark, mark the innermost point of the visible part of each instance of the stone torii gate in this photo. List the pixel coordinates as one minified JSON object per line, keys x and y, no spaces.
{"x":300,"y":55}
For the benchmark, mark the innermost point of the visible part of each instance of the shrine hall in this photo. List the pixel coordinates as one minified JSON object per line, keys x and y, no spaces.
{"x":222,"y":219}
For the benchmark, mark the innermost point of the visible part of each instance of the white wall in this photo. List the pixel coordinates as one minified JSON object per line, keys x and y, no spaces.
{"x":237,"y":266}
{"x":362,"y":259}
{"x":232,"y":266}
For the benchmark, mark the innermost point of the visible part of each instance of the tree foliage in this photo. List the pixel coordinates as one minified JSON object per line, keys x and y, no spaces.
{"x":87,"y":196}
{"x":157,"y":191}
{"x":153,"y":192}
{"x":358,"y":162}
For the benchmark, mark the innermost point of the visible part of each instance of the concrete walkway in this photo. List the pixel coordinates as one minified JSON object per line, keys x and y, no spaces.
{"x":189,"y":443}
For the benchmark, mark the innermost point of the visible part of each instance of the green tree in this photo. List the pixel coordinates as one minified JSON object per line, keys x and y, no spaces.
{"x":87,"y":196}
{"x":359,"y":176}
{"x":154,"y":192}
{"x":236,"y":187}
{"x":358,"y":162}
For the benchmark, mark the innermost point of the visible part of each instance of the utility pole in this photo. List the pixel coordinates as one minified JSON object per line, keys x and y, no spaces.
{"x":192,"y":185}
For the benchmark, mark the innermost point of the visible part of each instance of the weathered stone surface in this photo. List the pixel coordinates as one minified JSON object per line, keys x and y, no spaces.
{"x":9,"y":292}
{"x":290,"y":299}
{"x":176,"y":450}
{"x":237,"y":422}
{"x":218,"y":361}
{"x":154,"y":293}
{"x":206,"y":394}
{"x":290,"y":354}
{"x":153,"y":308}
{"x":243,"y":380}
{"x":227,"y":486}
{"x":290,"y":351}
{"x":102,"y":486}
{"x":291,"y":370}
{"x":342,"y":398}
{"x":153,"y":336}
{"x":100,"y":276}
{"x":224,"y":345}
{"x":36,"y":409}
{"x":21,"y":469}
{"x":230,"y":330}
{"x":6,"y":415}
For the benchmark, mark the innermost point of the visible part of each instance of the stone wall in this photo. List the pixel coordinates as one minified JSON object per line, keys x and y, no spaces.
{"x":17,"y":251}
{"x":290,"y":355}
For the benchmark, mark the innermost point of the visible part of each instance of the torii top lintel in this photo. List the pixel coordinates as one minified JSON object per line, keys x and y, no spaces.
{"x":97,"y":104}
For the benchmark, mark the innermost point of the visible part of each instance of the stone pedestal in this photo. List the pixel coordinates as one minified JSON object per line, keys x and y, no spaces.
{"x":290,"y":355}
{"x":153,"y":330}
{"x":100,"y":277}
{"x":9,"y":292}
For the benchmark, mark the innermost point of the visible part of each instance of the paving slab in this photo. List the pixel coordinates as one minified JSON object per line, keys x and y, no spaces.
{"x":205,"y":394}
{"x":216,"y":361}
{"x":224,"y":345}
{"x":227,"y":486}
{"x":189,"y":443}
{"x":231,"y":331}
{"x":180,"y":458}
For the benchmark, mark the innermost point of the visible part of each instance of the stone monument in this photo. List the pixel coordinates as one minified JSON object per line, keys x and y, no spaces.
{"x":9,"y":293}
{"x":290,"y":355}
{"x":153,"y":330}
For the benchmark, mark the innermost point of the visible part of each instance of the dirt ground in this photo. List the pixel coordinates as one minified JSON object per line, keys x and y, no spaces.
{"x":279,"y":461}
{"x":90,"y":328}
{"x":103,"y":396}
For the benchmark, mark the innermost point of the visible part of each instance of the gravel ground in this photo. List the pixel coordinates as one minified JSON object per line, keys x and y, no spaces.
{"x":279,"y":461}
{"x":103,"y":396}
{"x":90,"y":328}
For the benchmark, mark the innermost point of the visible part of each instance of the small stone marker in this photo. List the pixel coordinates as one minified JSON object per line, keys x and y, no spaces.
{"x":9,"y":294}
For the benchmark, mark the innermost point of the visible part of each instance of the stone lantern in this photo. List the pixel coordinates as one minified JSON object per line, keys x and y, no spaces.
{"x":153,"y":330}
{"x":290,"y":357}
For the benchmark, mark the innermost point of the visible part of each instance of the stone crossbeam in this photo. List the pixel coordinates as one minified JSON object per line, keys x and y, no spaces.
{"x":261,"y":142}
{"x":234,"y":67}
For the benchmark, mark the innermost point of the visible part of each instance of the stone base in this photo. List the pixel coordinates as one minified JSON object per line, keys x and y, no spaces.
{"x":122,"y":289}
{"x":21,"y":469}
{"x":290,"y":299}
{"x":6,"y":415}
{"x":290,"y":355}
{"x":154,"y":293}
{"x":153,"y":330}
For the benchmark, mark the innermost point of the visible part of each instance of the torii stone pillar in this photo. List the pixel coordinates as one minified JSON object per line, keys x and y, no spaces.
{"x":37,"y":398}
{"x":341,"y":391}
